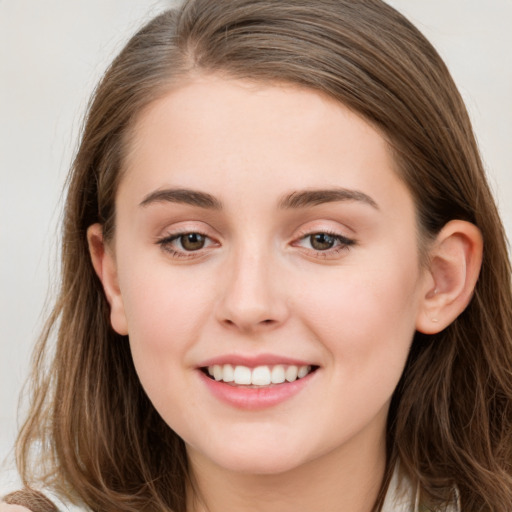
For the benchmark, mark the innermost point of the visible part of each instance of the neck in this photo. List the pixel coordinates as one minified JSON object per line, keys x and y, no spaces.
{"x":347,"y":479}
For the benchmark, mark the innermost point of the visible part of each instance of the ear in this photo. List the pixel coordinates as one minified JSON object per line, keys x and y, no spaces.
{"x":455,"y":261}
{"x":104,"y":264}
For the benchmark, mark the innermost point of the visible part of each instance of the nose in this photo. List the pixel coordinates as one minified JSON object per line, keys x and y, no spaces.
{"x":253,"y":298}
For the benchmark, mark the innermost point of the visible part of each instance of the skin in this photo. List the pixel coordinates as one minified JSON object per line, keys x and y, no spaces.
{"x":260,"y":285}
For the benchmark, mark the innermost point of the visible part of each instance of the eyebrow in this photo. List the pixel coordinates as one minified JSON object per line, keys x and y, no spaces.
{"x":183,"y":196}
{"x":295,"y":200}
{"x":315,"y":197}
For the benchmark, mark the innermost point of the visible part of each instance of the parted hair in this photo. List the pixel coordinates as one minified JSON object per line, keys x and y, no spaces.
{"x":93,"y":435}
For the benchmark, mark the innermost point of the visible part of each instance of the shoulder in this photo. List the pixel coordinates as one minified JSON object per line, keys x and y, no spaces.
{"x":35,"y":501}
{"x":27,"y":499}
{"x":9,"y":482}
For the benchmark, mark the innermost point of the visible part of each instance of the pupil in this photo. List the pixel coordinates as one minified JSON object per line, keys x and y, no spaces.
{"x":322,"y":241}
{"x":192,"y":241}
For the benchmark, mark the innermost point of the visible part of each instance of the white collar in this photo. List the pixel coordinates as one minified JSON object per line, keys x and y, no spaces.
{"x":404,"y":496}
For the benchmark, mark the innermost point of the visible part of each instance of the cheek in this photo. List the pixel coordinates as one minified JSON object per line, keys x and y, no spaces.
{"x":366,"y":324}
{"x":365,"y":313}
{"x":165,"y":310}
{"x":163,"y":323}
{"x":162,"y":303}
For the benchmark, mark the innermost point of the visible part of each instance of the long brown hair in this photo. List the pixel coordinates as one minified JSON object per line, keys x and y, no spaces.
{"x":97,"y":435}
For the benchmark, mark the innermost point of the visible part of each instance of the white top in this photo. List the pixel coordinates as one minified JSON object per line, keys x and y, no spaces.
{"x":402,"y":496}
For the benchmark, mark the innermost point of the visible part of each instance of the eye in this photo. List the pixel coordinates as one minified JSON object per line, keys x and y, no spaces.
{"x":192,"y":241}
{"x":183,"y":245}
{"x":324,"y":243}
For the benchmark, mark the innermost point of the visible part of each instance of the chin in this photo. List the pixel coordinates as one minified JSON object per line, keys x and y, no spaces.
{"x":257,"y":465}
{"x":256,"y":458}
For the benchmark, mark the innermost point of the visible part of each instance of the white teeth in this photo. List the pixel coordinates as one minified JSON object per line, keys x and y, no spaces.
{"x":278,"y":375}
{"x":303,"y":371}
{"x":242,"y":375}
{"x":217,"y":372}
{"x":291,"y":373}
{"x":259,"y":376}
{"x":228,"y":373}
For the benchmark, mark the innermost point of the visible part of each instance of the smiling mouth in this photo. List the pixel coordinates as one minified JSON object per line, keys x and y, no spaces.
{"x":260,"y":376}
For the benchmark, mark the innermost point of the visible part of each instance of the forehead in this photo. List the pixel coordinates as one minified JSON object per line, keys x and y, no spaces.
{"x":241,"y":135}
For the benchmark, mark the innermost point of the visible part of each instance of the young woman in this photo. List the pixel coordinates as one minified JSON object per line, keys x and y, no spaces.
{"x":285,"y":285}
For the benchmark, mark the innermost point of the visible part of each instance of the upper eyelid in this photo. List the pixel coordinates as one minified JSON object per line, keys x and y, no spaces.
{"x":184,"y":228}
{"x":174,"y":236}
{"x":206,"y":230}
{"x":344,"y":241}
{"x":177,"y":234}
{"x":305,"y":232}
{"x":322,"y":224}
{"x":331,"y":232}
{"x":301,"y":233}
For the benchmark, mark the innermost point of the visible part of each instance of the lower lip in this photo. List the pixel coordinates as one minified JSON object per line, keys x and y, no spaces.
{"x":253,"y":399}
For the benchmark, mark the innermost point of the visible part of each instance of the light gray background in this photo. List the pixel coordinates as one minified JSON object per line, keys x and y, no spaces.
{"x":51,"y":54}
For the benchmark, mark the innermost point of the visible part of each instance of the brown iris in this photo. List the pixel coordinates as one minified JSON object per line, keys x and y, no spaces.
{"x":192,"y":241}
{"x":322,"y":241}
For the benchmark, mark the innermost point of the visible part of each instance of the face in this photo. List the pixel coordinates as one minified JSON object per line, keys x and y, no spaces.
{"x":266,"y":269}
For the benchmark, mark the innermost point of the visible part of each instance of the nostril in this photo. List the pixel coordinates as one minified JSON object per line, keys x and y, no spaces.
{"x":268,"y":323}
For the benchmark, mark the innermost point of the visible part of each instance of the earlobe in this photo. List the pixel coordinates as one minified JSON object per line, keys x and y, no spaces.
{"x":455,"y":261}
{"x":105,"y":267}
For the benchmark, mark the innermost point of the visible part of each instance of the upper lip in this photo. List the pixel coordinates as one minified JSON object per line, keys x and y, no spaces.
{"x":252,"y":361}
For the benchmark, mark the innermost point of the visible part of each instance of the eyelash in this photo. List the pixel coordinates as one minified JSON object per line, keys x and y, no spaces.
{"x":344,"y":244}
{"x":166,"y":244}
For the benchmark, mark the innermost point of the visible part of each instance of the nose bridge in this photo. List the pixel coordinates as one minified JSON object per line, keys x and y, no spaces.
{"x":251,"y":297}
